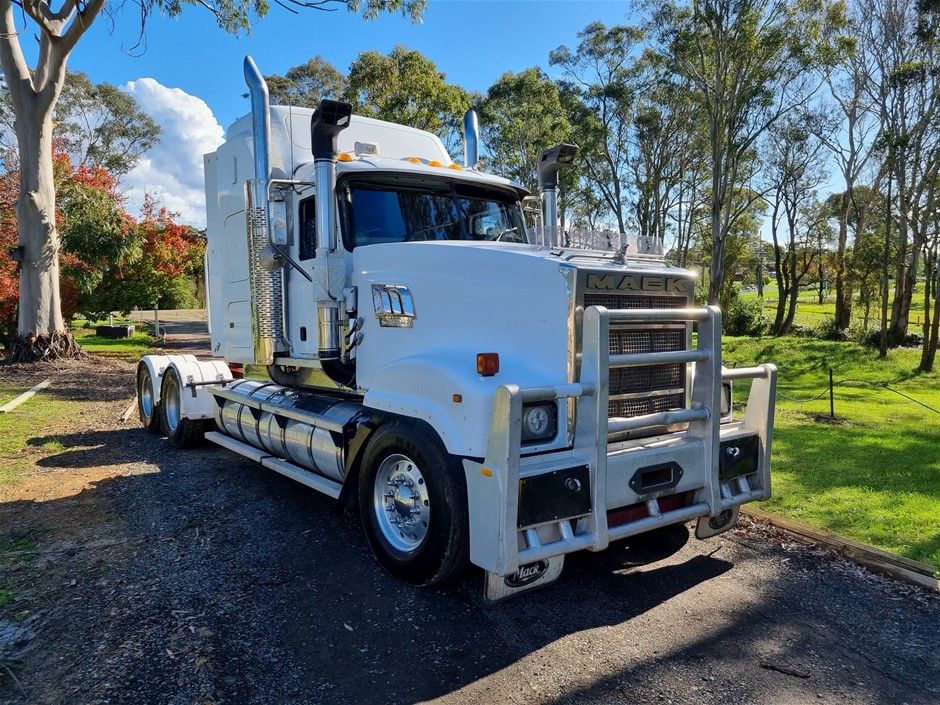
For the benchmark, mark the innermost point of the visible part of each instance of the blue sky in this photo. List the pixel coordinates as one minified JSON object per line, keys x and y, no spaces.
{"x":472,"y":41}
{"x":187,"y":73}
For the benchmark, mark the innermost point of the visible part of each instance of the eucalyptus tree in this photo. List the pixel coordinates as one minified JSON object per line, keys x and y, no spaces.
{"x":853,"y":147}
{"x":306,"y":84}
{"x":748,"y":62}
{"x":795,"y":172}
{"x":600,"y":77}
{"x":905,"y":88}
{"x":35,"y":91}
{"x":520,"y":117}
{"x":666,"y":147}
{"x":931,"y":294}
{"x":97,"y":125}
{"x":405,"y":86}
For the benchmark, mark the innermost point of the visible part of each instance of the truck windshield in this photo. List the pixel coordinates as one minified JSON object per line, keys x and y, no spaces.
{"x":403,"y":209}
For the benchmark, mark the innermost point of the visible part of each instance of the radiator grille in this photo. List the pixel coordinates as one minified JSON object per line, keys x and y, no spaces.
{"x":615,"y":301}
{"x":637,"y":391}
{"x":625,"y":408}
{"x":624,"y":341}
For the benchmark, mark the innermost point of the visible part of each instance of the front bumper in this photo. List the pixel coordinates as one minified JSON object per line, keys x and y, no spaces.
{"x":529,"y":509}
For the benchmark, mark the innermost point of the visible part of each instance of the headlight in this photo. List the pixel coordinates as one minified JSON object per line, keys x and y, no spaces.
{"x":539,"y":422}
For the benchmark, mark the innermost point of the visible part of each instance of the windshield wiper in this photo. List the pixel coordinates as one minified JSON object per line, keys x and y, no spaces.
{"x":499,"y":237}
{"x":411,"y":235}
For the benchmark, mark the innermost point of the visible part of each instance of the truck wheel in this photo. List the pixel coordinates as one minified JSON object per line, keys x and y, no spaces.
{"x":147,"y":407}
{"x":180,"y":431}
{"x":413,"y":502}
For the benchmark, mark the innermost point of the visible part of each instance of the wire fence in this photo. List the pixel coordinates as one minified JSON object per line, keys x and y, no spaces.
{"x":830,"y":390}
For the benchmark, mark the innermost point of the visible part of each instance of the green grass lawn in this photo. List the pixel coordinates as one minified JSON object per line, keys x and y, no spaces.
{"x":809,"y":312}
{"x":132,"y":348}
{"x":873,"y":473}
{"x":21,"y":424}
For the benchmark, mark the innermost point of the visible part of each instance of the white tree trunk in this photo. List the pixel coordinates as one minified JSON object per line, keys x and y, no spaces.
{"x":41,"y":330}
{"x":40,"y":311}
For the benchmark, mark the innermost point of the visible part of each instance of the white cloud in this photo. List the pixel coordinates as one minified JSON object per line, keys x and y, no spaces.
{"x":172,"y":171}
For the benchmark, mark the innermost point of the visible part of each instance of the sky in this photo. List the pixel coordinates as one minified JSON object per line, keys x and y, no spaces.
{"x":187,"y":73}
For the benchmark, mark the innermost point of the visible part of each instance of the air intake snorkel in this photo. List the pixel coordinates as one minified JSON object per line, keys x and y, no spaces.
{"x":550,"y":163}
{"x":329,"y":119}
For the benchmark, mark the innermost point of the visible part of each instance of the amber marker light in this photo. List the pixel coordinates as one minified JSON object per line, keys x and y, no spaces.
{"x":434,"y":162}
{"x":344,"y":157}
{"x":455,"y":166}
{"x":457,"y":398}
{"x":487,"y":364}
{"x":414,"y":160}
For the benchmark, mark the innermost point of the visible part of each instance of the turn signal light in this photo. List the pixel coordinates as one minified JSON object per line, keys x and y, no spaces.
{"x":487,"y":364}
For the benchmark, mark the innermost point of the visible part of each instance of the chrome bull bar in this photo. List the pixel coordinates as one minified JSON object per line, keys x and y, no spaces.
{"x":499,"y":545}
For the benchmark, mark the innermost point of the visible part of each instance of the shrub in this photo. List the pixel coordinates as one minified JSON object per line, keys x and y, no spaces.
{"x":744,"y":316}
{"x":873,"y":340}
{"x":827,"y":330}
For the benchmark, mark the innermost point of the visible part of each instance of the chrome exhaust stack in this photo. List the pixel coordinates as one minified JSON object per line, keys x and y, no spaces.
{"x":550,"y":163}
{"x":471,"y":130}
{"x":267,"y":294}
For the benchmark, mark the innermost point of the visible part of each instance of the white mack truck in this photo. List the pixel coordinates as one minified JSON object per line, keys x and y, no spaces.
{"x":481,"y":398}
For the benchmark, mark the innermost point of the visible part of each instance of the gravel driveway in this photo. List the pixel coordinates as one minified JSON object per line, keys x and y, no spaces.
{"x":141,"y":574}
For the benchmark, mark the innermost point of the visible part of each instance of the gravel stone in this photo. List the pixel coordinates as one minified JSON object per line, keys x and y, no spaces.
{"x":152,"y":575}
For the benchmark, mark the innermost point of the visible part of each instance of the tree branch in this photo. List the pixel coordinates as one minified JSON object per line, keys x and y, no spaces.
{"x":12,"y":60}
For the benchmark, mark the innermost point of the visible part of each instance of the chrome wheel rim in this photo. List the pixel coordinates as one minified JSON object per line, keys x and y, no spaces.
{"x":145,"y":396}
{"x":401,"y":503}
{"x":171,"y":403}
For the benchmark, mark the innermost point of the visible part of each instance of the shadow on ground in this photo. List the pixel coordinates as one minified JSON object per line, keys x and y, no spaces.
{"x":200,"y":577}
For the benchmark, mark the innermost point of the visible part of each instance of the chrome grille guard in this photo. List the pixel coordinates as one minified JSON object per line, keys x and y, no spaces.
{"x":498,"y":544}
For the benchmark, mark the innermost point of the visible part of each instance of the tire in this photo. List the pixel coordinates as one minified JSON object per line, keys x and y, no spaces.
{"x":179,"y":431}
{"x":413,"y":504}
{"x":147,"y":407}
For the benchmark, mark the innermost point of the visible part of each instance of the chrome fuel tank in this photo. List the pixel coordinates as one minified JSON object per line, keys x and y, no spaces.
{"x":301,"y":427}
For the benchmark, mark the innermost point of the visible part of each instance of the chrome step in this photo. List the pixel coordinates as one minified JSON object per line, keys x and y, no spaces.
{"x":294,"y":472}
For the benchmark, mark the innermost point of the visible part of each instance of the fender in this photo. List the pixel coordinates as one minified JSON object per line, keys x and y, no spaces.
{"x":427,"y":387}
{"x":196,"y":401}
{"x":157,"y":365}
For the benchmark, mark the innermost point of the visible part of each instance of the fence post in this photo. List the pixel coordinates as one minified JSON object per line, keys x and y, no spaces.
{"x":832,"y":401}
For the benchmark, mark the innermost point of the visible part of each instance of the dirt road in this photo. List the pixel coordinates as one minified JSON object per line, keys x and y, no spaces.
{"x":135,"y":573}
{"x":185,"y":330}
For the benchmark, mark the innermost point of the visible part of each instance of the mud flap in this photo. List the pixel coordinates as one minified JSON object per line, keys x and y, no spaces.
{"x":706,"y":527}
{"x":528,"y":577}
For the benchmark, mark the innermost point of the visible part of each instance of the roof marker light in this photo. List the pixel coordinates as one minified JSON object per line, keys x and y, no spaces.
{"x":487,"y":364}
{"x":343,"y":157}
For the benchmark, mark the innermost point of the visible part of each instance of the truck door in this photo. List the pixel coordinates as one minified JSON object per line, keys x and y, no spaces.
{"x":300,"y":306}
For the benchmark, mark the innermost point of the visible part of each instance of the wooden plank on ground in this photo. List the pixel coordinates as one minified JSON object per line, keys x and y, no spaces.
{"x":130,"y":410}
{"x":9,"y":406}
{"x":876,"y":560}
